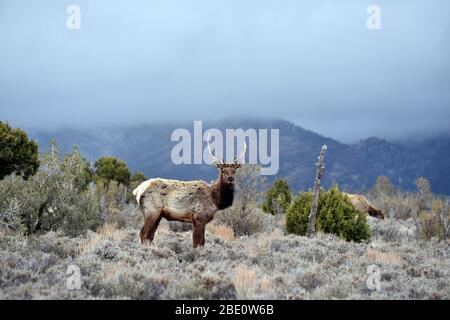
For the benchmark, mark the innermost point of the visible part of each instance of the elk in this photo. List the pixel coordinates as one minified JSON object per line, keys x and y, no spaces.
{"x":189,"y":201}
{"x":362,"y":204}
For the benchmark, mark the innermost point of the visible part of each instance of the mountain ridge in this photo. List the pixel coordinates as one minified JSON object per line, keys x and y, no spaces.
{"x":353,"y":166}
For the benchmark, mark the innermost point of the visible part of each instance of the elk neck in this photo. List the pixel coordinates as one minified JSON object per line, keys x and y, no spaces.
{"x":223,"y":193}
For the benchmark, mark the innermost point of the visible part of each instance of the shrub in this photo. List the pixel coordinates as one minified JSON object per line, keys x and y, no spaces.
{"x":392,"y":202}
{"x":278,"y":197}
{"x":10,"y":210}
{"x":109,"y":168}
{"x":335,"y":214}
{"x":393,"y":230}
{"x":56,"y":198}
{"x":112,"y":199}
{"x":430,"y":213}
{"x":424,"y":195}
{"x":18,"y":154}
{"x":435,"y":222}
{"x":243,"y":221}
{"x":245,"y":216}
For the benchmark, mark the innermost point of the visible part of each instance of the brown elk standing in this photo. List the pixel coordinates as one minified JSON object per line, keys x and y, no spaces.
{"x":188,"y":201}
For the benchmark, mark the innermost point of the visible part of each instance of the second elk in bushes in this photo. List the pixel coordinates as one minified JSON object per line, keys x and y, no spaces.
{"x":336,"y":215}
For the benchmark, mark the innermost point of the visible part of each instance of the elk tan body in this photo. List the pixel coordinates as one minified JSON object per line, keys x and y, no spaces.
{"x":179,"y":200}
{"x":189,"y":201}
{"x":361,"y":203}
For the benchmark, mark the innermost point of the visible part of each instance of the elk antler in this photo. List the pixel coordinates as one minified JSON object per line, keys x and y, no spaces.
{"x":217,"y":161}
{"x":242,"y":154}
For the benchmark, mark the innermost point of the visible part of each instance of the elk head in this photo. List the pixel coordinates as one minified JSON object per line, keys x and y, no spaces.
{"x":376,"y":213}
{"x":227,"y":170}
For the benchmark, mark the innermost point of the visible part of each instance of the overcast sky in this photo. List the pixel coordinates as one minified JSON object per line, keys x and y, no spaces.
{"x":312,"y":62}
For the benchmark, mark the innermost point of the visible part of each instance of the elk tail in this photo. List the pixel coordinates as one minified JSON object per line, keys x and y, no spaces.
{"x":141,"y":189}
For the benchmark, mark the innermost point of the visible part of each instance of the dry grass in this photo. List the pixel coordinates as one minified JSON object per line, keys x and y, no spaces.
{"x":244,"y":280}
{"x":248,"y":283}
{"x":111,"y":269}
{"x":383,"y":257}
{"x":222,"y":231}
{"x":104,"y":232}
{"x":265,"y":286}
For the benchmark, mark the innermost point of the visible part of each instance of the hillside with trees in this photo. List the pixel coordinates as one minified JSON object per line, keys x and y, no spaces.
{"x":354,"y":167}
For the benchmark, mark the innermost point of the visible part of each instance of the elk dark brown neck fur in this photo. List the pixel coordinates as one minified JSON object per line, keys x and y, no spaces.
{"x":223,"y":193}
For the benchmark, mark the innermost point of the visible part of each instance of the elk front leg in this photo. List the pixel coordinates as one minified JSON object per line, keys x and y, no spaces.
{"x":198,"y":235}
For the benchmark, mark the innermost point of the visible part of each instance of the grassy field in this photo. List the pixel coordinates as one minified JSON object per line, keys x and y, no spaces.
{"x":266,"y":265}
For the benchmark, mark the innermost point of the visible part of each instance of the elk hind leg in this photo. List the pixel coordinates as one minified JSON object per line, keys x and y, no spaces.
{"x":150,"y":225}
